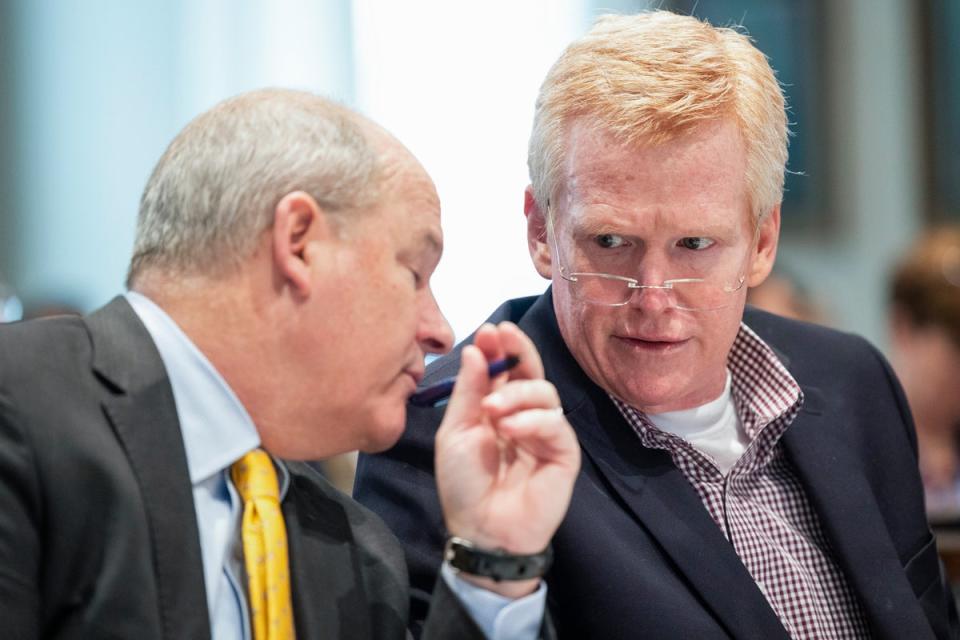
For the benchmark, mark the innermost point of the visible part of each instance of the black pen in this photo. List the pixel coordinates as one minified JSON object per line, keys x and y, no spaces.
{"x":435,"y":393}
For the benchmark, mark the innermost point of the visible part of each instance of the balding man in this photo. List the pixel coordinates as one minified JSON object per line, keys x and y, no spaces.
{"x":279,"y":309}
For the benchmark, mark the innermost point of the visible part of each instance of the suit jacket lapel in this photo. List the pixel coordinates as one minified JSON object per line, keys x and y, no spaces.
{"x":653,"y":489}
{"x":328,"y":602}
{"x":141,"y":409}
{"x":832,"y":475}
{"x":666,"y":505}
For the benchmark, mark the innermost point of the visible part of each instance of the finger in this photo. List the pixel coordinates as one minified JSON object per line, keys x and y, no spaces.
{"x":488,"y":340}
{"x":544,"y":434}
{"x":516,"y":343}
{"x":519,"y":395}
{"x":471,"y":387}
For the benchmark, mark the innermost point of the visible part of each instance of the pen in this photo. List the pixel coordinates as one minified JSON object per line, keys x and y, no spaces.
{"x":435,"y":393}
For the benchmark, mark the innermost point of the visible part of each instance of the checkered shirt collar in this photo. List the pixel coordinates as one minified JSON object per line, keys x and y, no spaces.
{"x":765,"y":393}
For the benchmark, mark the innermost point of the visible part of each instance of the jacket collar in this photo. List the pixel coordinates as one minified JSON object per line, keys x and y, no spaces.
{"x":651,"y":488}
{"x":140,"y":407}
{"x":832,"y":473}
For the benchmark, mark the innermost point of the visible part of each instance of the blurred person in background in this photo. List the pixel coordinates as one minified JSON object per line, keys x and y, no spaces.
{"x":279,"y":310}
{"x":744,"y":475}
{"x":783,"y":294}
{"x":925,"y":352}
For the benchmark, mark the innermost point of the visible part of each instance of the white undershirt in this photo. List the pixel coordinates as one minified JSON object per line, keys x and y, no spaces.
{"x":713,"y":428}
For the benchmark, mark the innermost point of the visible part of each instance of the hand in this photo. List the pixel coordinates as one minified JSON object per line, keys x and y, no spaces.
{"x":506,"y":458}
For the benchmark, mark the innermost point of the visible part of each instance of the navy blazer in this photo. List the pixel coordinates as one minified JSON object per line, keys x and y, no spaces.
{"x":638,"y":556}
{"x":98,"y":533}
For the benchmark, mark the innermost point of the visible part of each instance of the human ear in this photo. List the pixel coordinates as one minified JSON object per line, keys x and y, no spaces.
{"x":537,"y":234}
{"x":298,"y":221}
{"x":765,"y":253}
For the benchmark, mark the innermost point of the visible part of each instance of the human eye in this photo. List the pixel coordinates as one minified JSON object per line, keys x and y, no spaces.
{"x":609,"y":241}
{"x":695,"y":243}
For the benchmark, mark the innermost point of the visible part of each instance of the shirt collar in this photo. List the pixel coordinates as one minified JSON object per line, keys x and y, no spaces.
{"x":763,"y":389}
{"x":762,"y":386}
{"x":217,"y":430}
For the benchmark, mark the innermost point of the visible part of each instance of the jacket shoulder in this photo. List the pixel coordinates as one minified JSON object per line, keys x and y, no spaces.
{"x":46,"y":343}
{"x":814,"y":352}
{"x":46,"y":367}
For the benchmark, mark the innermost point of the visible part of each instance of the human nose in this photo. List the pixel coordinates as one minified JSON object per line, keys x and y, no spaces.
{"x":650,"y":294}
{"x":434,"y":334}
{"x":653,"y":297}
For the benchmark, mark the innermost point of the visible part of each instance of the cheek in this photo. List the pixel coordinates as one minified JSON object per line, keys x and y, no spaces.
{"x":585,"y":328}
{"x":719,"y":331}
{"x":572,"y":311}
{"x":388,"y":294}
{"x":568,"y":314}
{"x":596,"y":323}
{"x":394,"y":316}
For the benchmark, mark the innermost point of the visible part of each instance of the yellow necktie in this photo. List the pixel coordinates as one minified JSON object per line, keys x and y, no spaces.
{"x":264,"y":547}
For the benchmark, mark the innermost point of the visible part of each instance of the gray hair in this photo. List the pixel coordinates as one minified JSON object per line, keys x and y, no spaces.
{"x":215,"y":188}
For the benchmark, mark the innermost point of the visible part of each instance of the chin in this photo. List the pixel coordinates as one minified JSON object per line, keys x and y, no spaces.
{"x":382,"y":431}
{"x":380,"y":444}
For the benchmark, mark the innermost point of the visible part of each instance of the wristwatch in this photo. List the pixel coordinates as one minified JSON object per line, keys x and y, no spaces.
{"x":497,"y":564}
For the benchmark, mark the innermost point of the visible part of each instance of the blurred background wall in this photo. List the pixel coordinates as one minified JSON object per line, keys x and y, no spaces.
{"x":93,"y":90}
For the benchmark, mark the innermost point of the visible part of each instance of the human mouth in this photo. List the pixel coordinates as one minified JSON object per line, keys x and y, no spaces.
{"x":409,"y":381}
{"x":652,"y":343}
{"x":416,"y":375}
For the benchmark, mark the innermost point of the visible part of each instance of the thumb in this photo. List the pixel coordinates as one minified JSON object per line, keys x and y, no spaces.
{"x":471,"y":387}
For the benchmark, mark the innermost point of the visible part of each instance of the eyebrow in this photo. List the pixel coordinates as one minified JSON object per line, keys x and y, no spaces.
{"x":592,"y":226}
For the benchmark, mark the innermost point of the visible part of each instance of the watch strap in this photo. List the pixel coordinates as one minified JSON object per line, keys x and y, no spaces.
{"x":496,"y":564}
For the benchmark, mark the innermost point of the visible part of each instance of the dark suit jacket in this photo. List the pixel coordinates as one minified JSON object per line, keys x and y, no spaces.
{"x":638,"y":556}
{"x":98,"y":536}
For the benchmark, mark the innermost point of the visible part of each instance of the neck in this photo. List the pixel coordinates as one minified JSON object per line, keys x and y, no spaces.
{"x":228,"y":322}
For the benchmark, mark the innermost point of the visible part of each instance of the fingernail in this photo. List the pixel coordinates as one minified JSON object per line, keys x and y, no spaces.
{"x":495,"y":399}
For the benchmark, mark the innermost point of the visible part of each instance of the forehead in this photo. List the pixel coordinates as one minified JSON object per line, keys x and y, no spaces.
{"x":697,"y":178}
{"x":409,"y":208}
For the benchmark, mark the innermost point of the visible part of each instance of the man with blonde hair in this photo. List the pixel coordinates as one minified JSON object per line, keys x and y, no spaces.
{"x":744,"y":475}
{"x":279,"y":311}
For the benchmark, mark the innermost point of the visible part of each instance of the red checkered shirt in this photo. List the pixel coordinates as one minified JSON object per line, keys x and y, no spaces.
{"x":760,"y":504}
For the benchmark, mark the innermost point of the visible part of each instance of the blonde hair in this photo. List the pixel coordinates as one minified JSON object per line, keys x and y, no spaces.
{"x":652,"y":77}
